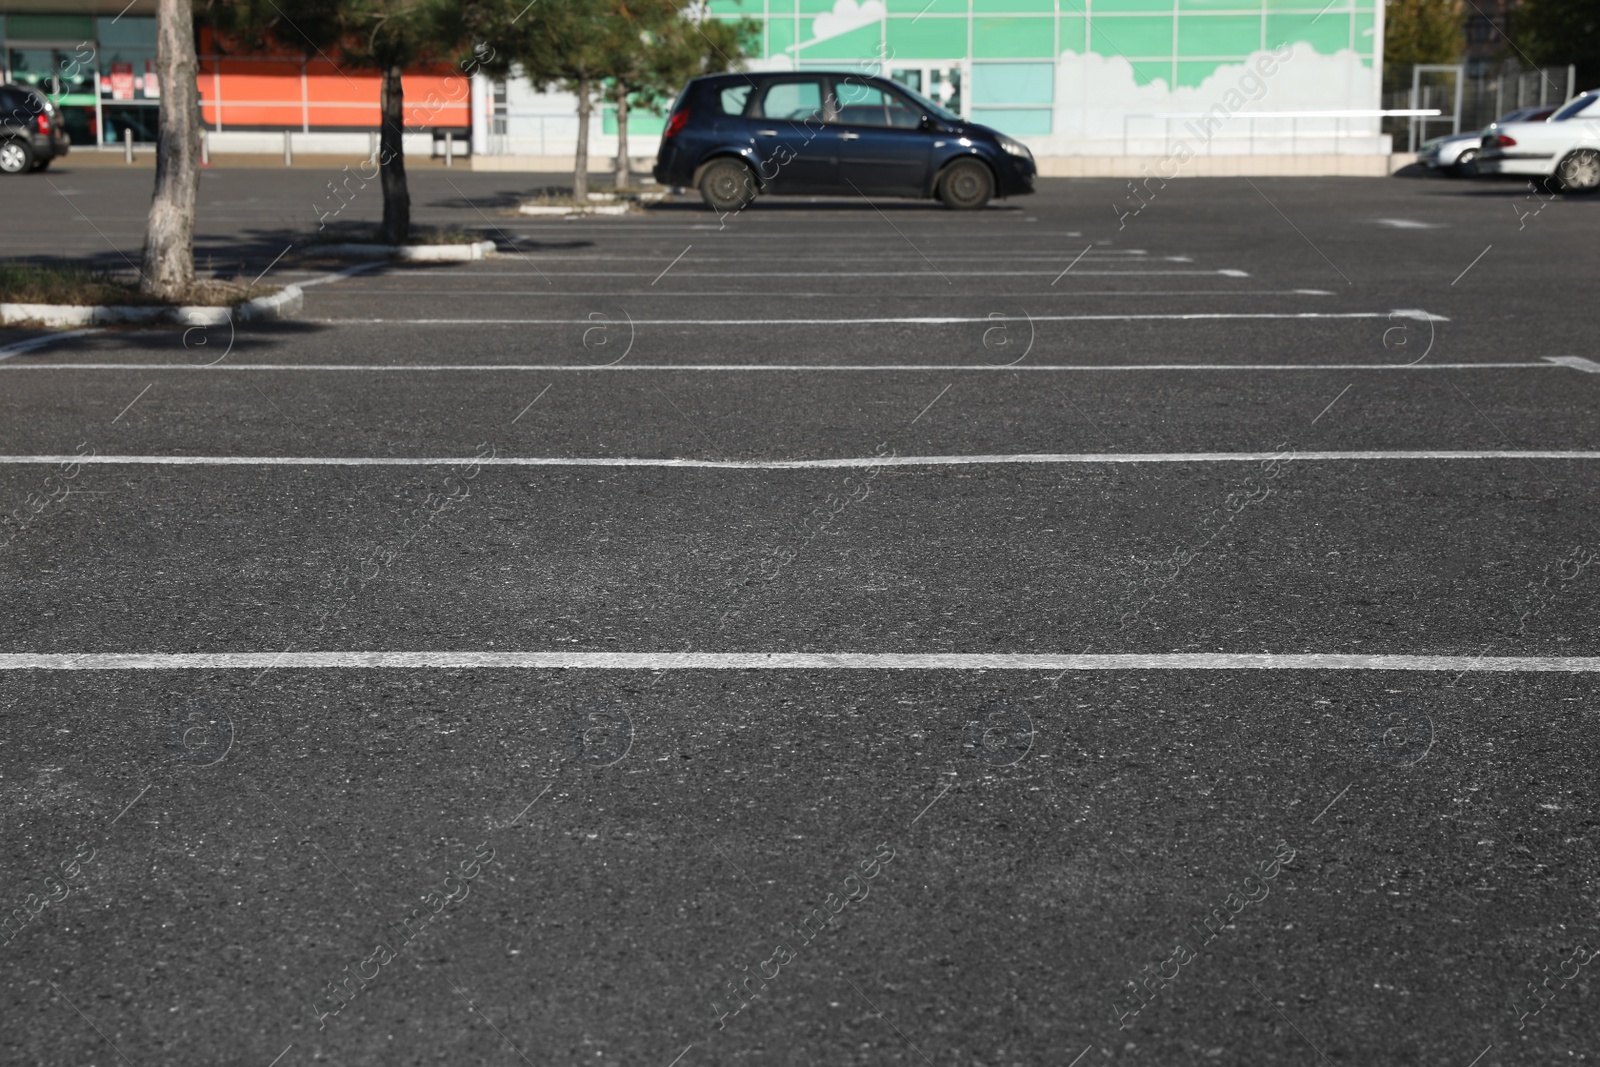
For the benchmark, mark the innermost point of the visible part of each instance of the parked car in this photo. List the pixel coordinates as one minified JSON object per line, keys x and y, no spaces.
{"x":738,"y":136}
{"x":32,"y":134}
{"x":1565,"y":150}
{"x":1457,"y":154}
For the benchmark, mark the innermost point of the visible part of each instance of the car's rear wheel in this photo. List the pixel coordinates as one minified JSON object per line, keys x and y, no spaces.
{"x":1580,"y":171}
{"x":728,"y":185}
{"x":16,"y":157}
{"x":1466,"y":164}
{"x":966,"y":185}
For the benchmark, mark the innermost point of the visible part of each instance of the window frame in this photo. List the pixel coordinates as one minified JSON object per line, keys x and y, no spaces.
{"x":755,"y":108}
{"x":887,"y":90}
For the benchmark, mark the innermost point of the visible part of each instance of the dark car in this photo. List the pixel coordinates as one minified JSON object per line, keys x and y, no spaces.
{"x":31,"y":131}
{"x":738,"y":136}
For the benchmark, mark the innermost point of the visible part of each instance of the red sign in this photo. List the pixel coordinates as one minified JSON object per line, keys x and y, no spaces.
{"x":152,"y":82}
{"x":122,"y":81}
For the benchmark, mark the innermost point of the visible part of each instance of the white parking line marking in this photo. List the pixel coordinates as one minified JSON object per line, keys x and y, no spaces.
{"x":1588,"y":366}
{"x":681,"y":296}
{"x":1035,"y":458}
{"x":544,"y":256}
{"x":867,"y":274}
{"x":901,"y":320}
{"x":341,"y":275}
{"x":32,"y":343}
{"x":745,"y":661}
{"x":1409,"y":224}
{"x":1552,"y":362}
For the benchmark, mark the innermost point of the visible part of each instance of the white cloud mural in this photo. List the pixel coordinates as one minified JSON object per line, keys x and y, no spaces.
{"x":1097,"y":95}
{"x":846,"y":15}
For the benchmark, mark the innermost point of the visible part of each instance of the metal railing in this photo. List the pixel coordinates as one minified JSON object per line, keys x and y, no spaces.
{"x":1475,"y":99}
{"x":1338,"y":127}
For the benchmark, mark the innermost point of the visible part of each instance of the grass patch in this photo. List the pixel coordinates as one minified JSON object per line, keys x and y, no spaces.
{"x":26,"y":283}
{"x":32,"y":283}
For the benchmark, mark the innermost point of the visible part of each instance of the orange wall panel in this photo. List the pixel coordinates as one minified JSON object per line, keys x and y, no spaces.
{"x":326,"y":83}
{"x":268,"y":91}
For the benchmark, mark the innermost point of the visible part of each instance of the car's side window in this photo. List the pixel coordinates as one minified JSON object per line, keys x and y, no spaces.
{"x":901,"y":111}
{"x":734,"y":99}
{"x":797,"y":100}
{"x":868,"y":105}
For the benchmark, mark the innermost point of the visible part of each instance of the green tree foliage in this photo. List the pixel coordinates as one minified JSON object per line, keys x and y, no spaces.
{"x":1420,"y":31}
{"x":383,"y":35}
{"x":1552,"y":32}
{"x":563,"y":43}
{"x":630,"y":52}
{"x":650,"y":61}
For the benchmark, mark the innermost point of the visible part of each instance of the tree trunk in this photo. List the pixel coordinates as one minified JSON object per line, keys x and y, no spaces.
{"x":396,"y":229}
{"x":622,"y":138}
{"x":580,"y":165}
{"x":169,"y":230}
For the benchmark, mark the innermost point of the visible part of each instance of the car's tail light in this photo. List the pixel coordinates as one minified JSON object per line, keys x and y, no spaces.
{"x":678,"y":121}
{"x":1502,"y":141}
{"x":44,"y":122}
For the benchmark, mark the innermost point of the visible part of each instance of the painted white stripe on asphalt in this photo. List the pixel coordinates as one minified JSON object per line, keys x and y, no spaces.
{"x":1409,"y":224}
{"x":881,"y":274}
{"x":745,"y":661}
{"x":742,"y":368}
{"x":943,"y":320}
{"x":341,"y":275}
{"x":1588,"y":366}
{"x":549,"y":259}
{"x":681,"y":296}
{"x":48,"y":339}
{"x":1038,"y":458}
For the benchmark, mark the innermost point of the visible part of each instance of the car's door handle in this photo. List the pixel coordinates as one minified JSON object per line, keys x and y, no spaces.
{"x":766,"y":133}
{"x":849,"y":137}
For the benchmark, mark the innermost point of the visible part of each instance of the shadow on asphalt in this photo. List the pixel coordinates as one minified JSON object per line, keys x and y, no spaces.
{"x":197,"y":346}
{"x":499,"y":198}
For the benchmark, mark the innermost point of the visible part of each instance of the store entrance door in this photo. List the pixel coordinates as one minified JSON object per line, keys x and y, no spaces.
{"x":941,"y":82}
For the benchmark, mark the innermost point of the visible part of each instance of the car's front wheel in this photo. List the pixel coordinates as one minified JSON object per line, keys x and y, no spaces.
{"x":16,"y":157}
{"x":966,"y":185}
{"x":1580,"y":171}
{"x":1466,"y":164}
{"x":728,"y":185}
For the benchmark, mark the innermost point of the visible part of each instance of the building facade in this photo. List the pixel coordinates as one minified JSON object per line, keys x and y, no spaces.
{"x":1070,"y":77}
{"x":1096,"y":78}
{"x":100,"y":71}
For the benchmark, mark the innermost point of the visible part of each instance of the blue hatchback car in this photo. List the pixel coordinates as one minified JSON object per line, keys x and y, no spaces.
{"x":738,"y":136}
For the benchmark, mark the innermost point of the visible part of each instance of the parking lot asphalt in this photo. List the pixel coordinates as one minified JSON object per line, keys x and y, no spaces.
{"x":1158,"y":638}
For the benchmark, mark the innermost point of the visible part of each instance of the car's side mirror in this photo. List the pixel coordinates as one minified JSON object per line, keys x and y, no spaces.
{"x":930,"y":124}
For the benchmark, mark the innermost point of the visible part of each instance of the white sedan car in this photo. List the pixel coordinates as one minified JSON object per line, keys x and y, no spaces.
{"x":1565,"y":148}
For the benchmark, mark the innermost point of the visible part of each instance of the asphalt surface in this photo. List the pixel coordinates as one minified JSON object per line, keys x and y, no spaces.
{"x":1216,"y":429}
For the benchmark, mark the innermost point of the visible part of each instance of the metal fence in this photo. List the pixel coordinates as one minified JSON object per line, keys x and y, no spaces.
{"x":1470,"y":101}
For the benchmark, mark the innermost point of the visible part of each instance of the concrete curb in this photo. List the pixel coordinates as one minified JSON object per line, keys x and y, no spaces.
{"x":592,"y":209}
{"x":284,"y":304}
{"x":414,"y":253}
{"x":280,"y":305}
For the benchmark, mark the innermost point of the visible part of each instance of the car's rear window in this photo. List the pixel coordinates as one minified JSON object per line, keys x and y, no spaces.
{"x":797,"y":100}
{"x":1583,"y":105}
{"x":733,"y":99}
